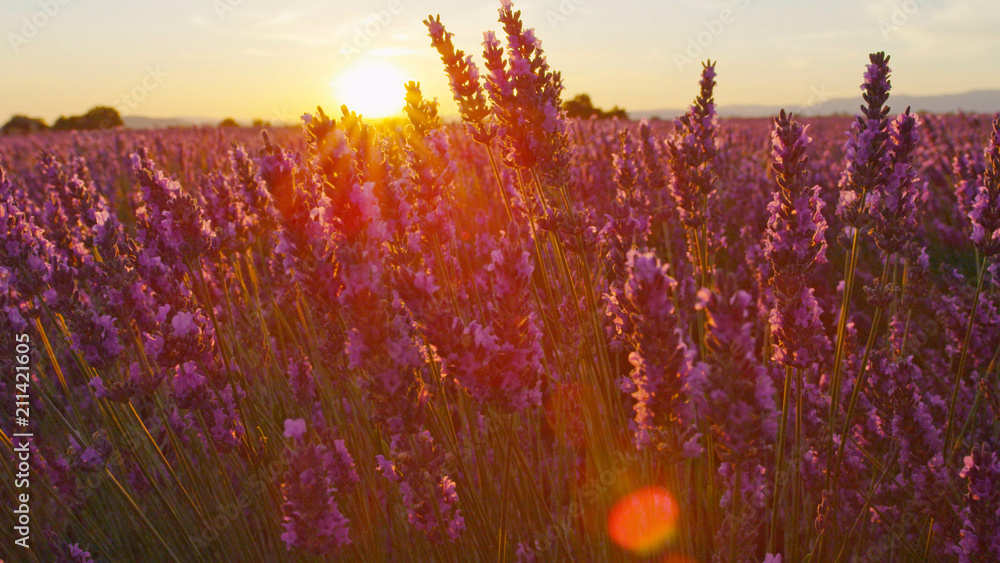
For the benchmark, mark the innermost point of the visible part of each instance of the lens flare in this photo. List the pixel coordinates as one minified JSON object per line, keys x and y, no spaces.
{"x":643,"y":521}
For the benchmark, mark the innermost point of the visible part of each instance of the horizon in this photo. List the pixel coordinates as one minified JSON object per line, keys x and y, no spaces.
{"x":245,"y":60}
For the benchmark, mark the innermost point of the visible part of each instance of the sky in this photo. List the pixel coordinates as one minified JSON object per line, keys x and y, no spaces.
{"x":249,"y":59}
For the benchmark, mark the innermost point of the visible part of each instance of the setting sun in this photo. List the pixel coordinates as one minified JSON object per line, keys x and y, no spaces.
{"x":373,"y":89}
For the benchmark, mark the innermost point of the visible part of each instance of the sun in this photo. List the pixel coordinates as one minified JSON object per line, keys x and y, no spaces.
{"x":374,"y":89}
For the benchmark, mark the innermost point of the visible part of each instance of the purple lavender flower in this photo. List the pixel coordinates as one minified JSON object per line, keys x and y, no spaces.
{"x":96,"y":338}
{"x":968,"y":168}
{"x":867,"y":148}
{"x":300,"y":377}
{"x":222,"y":416}
{"x":794,"y":244}
{"x":259,"y":208}
{"x":78,"y":555}
{"x":980,"y":535}
{"x":463,"y":76}
{"x":744,"y":509}
{"x":311,"y":517}
{"x":740,"y":392}
{"x":93,"y":457}
{"x":189,"y":386}
{"x":429,"y":495}
{"x":667,"y":382}
{"x":295,"y":428}
{"x":423,"y":114}
{"x":184,"y":335}
{"x":692,"y":151}
{"x":170,"y":221}
{"x":526,"y":99}
{"x":894,"y":207}
{"x":227,"y":212}
{"x":496,"y":356}
{"x":985,"y":214}
{"x":24,"y":257}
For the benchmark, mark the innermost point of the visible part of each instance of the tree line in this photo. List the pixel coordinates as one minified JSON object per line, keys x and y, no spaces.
{"x":100,"y":117}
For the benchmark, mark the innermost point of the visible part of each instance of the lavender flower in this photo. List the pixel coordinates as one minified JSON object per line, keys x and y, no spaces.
{"x":985,"y":214}
{"x":96,"y":338}
{"x":258,"y":206}
{"x":497,"y":355}
{"x":189,"y":386}
{"x":794,"y":244}
{"x":78,"y":555}
{"x":423,"y":114}
{"x":894,"y":208}
{"x":867,"y":148}
{"x":980,"y":535}
{"x":692,"y":151}
{"x":666,"y":380}
{"x":627,"y":225}
{"x":744,"y":510}
{"x":463,"y":76}
{"x":429,"y":495}
{"x":295,"y":428}
{"x":311,"y":516}
{"x":300,"y":377}
{"x":227,"y":213}
{"x":24,"y":257}
{"x":968,"y":169}
{"x":740,"y":391}
{"x":526,"y":99}
{"x":170,"y":221}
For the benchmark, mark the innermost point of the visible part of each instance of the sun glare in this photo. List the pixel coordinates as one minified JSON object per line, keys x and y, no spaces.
{"x":643,"y":521}
{"x":374,"y":89}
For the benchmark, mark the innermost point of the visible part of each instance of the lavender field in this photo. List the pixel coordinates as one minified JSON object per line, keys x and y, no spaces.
{"x":518,"y":337}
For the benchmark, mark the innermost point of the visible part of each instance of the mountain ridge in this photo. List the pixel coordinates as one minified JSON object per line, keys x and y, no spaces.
{"x":974,"y":101}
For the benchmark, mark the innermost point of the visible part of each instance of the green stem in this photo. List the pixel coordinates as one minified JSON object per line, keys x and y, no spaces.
{"x":845,"y":306}
{"x":778,"y":458}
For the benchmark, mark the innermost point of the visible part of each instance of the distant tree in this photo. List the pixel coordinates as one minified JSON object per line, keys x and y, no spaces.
{"x":23,"y":125}
{"x":64,"y":123}
{"x":258,"y":123}
{"x":581,"y":106}
{"x":229,"y":122}
{"x":103,"y":117}
{"x":100,"y":117}
{"x":616,"y":111}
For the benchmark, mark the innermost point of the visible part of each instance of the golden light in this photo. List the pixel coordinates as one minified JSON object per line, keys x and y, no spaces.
{"x":643,"y":521}
{"x":373,"y":89}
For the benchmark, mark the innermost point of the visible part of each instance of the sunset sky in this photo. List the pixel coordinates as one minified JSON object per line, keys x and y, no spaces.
{"x":254,"y":59}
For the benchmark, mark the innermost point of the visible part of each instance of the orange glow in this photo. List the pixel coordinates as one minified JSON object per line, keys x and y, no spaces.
{"x":643,"y":521}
